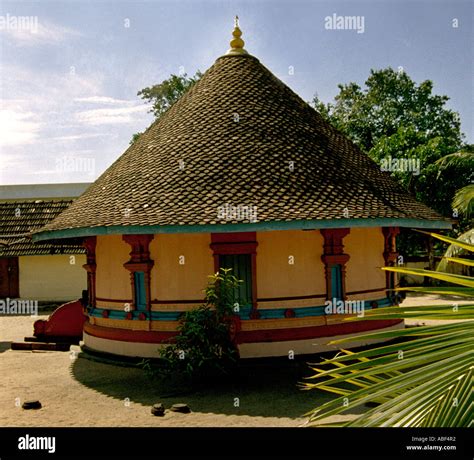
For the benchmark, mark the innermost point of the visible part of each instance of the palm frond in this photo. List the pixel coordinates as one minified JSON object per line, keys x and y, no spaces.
{"x":455,"y":249}
{"x":463,"y":200}
{"x":424,"y":379}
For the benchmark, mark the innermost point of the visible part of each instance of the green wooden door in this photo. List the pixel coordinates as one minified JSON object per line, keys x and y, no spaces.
{"x":241,"y":265}
{"x":336,"y":282}
{"x":140,"y":294}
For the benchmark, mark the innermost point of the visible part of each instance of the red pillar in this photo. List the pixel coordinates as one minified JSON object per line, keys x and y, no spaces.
{"x":334,"y":255}
{"x":390,"y":256}
{"x":139,"y":262}
{"x":90,"y":244}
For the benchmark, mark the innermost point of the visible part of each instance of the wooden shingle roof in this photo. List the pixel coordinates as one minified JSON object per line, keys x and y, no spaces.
{"x":240,"y":136}
{"x":18,"y":219}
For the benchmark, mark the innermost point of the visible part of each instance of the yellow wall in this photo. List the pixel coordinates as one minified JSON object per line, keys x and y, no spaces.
{"x":52,"y":277}
{"x":171,"y":280}
{"x":112,"y":278}
{"x":365,"y":246}
{"x":276,"y":277}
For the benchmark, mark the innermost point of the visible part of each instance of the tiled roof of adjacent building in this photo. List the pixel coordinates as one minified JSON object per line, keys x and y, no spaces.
{"x":18,"y":219}
{"x":239,"y":136}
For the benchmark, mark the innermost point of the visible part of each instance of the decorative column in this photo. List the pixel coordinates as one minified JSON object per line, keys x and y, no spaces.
{"x":238,"y":243}
{"x":139,"y":262}
{"x":90,"y":244}
{"x":334,"y":255}
{"x":390,"y":256}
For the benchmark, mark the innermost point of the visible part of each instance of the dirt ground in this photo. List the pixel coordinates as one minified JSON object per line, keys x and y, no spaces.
{"x":76,"y":390}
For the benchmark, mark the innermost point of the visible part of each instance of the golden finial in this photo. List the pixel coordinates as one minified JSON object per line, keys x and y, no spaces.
{"x":236,"y":44}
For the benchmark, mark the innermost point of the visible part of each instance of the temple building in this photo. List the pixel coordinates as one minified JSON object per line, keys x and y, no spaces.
{"x":240,"y":173}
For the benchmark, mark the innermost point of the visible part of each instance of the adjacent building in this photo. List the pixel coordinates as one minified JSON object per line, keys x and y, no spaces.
{"x":44,"y":272}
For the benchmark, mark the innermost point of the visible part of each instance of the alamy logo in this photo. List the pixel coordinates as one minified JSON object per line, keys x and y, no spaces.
{"x":11,"y":22}
{"x":336,"y":22}
{"x":389,"y":164}
{"x":239,"y":212}
{"x":37,"y":443}
{"x":344,"y":307}
{"x":75,"y":164}
{"x":18,"y":307}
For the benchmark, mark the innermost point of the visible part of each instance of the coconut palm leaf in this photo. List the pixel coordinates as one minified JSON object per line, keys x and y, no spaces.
{"x":462,"y":292}
{"x":463,"y":200}
{"x":457,"y":260}
{"x":424,"y":379}
{"x":466,"y":242}
{"x":456,"y":250}
{"x":464,"y":156}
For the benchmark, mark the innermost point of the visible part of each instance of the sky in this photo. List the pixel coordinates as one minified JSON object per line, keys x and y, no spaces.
{"x":70,"y":70}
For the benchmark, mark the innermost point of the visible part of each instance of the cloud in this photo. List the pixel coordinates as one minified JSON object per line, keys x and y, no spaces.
{"x":111,"y":116}
{"x":103,"y":100}
{"x":32,"y":31}
{"x":17,"y":127}
{"x":76,"y":137}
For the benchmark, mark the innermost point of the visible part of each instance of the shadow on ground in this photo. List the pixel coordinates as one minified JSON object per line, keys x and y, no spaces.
{"x":266,"y":388}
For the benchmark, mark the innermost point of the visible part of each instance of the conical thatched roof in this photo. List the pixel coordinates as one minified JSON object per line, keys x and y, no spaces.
{"x":240,"y":136}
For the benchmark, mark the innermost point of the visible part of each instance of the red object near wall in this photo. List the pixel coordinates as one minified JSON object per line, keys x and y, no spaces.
{"x":67,"y":321}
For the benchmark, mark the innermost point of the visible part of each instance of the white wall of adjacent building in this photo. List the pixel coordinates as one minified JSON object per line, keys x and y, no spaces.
{"x":52,"y":277}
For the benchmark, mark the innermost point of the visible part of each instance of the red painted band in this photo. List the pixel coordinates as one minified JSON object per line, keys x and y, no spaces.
{"x":126,"y":335}
{"x":366,"y":291}
{"x":300,"y":297}
{"x":103,"y":299}
{"x":273,"y":335}
{"x":312,"y":332}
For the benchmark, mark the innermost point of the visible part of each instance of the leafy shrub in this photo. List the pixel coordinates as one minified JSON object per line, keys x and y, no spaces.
{"x":203,"y":347}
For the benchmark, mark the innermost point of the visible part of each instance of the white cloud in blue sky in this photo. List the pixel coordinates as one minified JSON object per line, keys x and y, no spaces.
{"x":69,"y":88}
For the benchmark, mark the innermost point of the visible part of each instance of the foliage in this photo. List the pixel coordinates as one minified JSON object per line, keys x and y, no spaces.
{"x":135,"y":138}
{"x":163,"y":95}
{"x":463,"y":200}
{"x":424,"y":379}
{"x":395,"y":117}
{"x":465,"y":156}
{"x":203,"y":347}
{"x":456,"y":249}
{"x":392,"y":100}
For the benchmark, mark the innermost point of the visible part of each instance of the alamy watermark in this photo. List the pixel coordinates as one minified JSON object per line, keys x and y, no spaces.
{"x":12,"y":22}
{"x":390,"y":164}
{"x":239,"y":212}
{"x":28,"y":442}
{"x":336,"y":22}
{"x":18,"y":307}
{"x":75,"y":164}
{"x":344,"y":307}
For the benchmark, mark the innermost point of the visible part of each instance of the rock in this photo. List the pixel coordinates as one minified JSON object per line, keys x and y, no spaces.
{"x":183,"y":408}
{"x":158,"y":410}
{"x":32,"y":404}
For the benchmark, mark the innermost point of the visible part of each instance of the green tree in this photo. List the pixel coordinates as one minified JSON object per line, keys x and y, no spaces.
{"x":395,"y":117}
{"x":392,"y":100}
{"x":163,"y":95}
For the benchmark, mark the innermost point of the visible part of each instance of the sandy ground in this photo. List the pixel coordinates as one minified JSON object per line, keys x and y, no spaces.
{"x":77,"y":391}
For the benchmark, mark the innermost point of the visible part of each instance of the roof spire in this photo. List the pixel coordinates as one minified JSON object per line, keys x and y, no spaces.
{"x":236,"y":44}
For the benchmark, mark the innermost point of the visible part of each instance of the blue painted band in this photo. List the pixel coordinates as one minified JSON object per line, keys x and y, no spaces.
{"x":244,"y":313}
{"x":241,"y":227}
